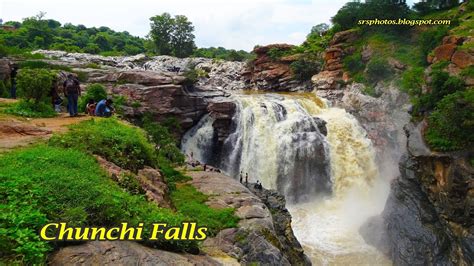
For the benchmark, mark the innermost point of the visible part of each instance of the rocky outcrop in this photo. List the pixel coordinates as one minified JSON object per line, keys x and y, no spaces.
{"x":5,"y":69}
{"x":149,"y":179}
{"x":123,"y":253}
{"x":428,"y":215}
{"x":263,"y":235}
{"x":282,"y":224}
{"x":222,"y":113}
{"x":333,"y":77}
{"x":273,"y":73}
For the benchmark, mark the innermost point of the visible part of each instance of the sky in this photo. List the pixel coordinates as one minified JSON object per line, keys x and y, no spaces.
{"x":233,"y":24}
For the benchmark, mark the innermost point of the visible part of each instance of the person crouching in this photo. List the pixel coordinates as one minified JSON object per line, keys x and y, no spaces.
{"x":104,"y":108}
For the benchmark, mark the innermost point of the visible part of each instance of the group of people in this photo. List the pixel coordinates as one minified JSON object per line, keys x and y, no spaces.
{"x":72,"y":91}
{"x":257,"y":185}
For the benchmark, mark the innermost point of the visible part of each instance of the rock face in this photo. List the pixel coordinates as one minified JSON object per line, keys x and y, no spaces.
{"x":222,"y":113}
{"x":332,"y":77}
{"x":273,"y":74}
{"x":150,"y":180}
{"x":428,"y":215}
{"x":5,"y":69}
{"x":263,"y":235}
{"x":123,"y":253}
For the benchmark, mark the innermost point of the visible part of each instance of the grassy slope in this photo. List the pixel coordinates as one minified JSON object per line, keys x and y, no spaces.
{"x":63,"y":182}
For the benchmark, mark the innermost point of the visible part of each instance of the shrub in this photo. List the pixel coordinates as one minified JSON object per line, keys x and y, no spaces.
{"x":43,"y":65}
{"x":353,"y":63}
{"x":34,"y":84}
{"x":191,"y":203}
{"x":193,"y":74}
{"x":166,"y":143}
{"x":431,"y":38}
{"x":452,"y":123}
{"x":28,"y":108}
{"x":304,"y":69}
{"x":48,"y":184}
{"x":441,"y":85}
{"x":124,"y":145}
{"x":4,"y":89}
{"x":94,"y":92}
{"x":378,"y":69}
{"x":412,"y":80}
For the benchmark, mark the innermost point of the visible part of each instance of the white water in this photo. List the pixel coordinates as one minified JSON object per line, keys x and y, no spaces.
{"x":333,"y":178}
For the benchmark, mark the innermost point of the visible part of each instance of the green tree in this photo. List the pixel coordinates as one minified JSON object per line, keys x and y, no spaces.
{"x":182,"y":39}
{"x":161,"y":33}
{"x":172,"y":36}
{"x":34,"y":84}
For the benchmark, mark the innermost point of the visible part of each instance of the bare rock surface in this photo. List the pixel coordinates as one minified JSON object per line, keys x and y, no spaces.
{"x":123,"y":253}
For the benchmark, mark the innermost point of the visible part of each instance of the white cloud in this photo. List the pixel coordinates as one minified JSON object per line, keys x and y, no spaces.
{"x":231,"y":23}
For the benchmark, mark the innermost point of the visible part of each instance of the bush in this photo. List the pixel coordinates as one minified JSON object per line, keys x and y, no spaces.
{"x":43,"y":65}
{"x":166,"y":143}
{"x":441,"y":84}
{"x":48,"y":184}
{"x":191,"y":203}
{"x":94,"y":92}
{"x":192,"y":75}
{"x":34,"y":84}
{"x":304,"y":69}
{"x":124,"y":145}
{"x":4,"y":89}
{"x":452,"y":123}
{"x":431,"y":38}
{"x":28,"y":108}
{"x":378,"y":69}
{"x":412,"y":80}
{"x":354,"y":64}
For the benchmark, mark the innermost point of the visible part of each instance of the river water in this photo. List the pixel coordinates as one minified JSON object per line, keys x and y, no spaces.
{"x":331,"y":181}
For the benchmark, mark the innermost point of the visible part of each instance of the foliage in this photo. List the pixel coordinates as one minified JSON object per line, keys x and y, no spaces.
{"x":222,"y":53}
{"x":94,"y":92}
{"x":47,"y":184}
{"x":29,"y":108}
{"x":193,"y":74}
{"x":172,"y":35}
{"x":166,"y":143}
{"x":303,"y":69}
{"x":126,"y":146}
{"x":275,"y":53}
{"x":4,"y":89}
{"x":191,"y":203}
{"x":452,"y":123}
{"x":412,"y":80}
{"x":39,"y":33}
{"x":42,"y":64}
{"x":353,"y":63}
{"x":378,"y":69}
{"x":348,"y":16}
{"x":441,"y":84}
{"x":34,"y":84}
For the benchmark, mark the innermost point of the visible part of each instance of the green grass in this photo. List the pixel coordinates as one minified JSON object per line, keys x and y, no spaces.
{"x":191,"y":203}
{"x":44,"y":184}
{"x":29,"y":109}
{"x":122,"y":144}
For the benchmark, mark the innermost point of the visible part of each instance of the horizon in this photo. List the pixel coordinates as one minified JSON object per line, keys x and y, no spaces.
{"x":233,"y":24}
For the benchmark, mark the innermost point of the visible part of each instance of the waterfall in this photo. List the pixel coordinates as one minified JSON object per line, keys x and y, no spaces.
{"x":329,"y":178}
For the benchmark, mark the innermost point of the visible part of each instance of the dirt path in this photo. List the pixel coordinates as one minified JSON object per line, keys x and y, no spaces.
{"x":18,"y":131}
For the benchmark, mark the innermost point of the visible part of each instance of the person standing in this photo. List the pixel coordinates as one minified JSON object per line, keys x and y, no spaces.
{"x":72,"y":90}
{"x":241,"y":177}
{"x":246,"y":179}
{"x":13,"y":82}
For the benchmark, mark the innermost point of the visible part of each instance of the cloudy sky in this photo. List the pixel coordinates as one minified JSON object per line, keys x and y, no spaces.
{"x":237,"y":24}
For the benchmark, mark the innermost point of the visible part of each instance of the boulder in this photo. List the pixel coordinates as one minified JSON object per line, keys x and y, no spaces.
{"x":462,"y":59}
{"x":123,"y":253}
{"x":444,"y":52}
{"x":155,"y":187}
{"x":346,"y":36}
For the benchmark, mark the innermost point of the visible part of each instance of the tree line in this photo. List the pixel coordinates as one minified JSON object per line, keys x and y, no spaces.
{"x":168,"y":36}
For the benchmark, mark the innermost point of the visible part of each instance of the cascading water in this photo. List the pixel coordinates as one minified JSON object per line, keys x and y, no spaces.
{"x":330,"y":180}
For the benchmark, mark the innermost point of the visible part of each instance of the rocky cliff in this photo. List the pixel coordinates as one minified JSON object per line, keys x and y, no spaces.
{"x":428,"y":217}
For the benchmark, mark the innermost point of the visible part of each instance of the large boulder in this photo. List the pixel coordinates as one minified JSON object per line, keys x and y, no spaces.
{"x":123,"y":253}
{"x":222,"y":113}
{"x":462,"y":59}
{"x":444,"y":52}
{"x":5,"y":69}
